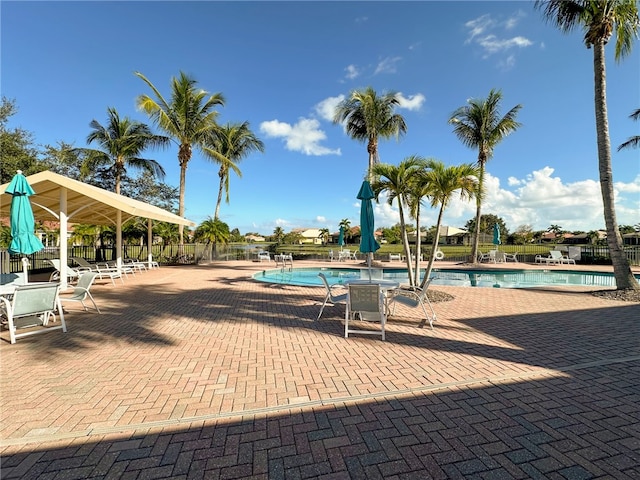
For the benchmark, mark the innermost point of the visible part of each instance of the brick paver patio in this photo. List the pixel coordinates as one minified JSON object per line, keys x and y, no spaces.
{"x":201,"y":372}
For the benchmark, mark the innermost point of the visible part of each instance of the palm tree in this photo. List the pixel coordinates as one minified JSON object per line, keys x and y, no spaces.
{"x":479,"y":125}
{"x":632,"y":142}
{"x":368,"y":116}
{"x":85,"y":234}
{"x":440,"y":184}
{"x":599,"y":19}
{"x":212,"y":231}
{"x":188,"y":117}
{"x":121,"y":142}
{"x":397,"y":181}
{"x":324,"y":235}
{"x":278,"y":234}
{"x":231,"y":143}
{"x":5,"y":236}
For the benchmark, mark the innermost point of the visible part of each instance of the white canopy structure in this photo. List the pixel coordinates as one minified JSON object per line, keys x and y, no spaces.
{"x":64,"y":200}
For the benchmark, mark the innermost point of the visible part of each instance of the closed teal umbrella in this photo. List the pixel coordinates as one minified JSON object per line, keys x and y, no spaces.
{"x":496,"y":234}
{"x":23,"y":238}
{"x":368,"y":243}
{"x":341,"y":237}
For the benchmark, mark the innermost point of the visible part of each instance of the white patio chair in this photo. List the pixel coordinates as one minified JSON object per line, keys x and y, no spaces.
{"x":366,"y":303}
{"x":83,"y":264}
{"x":330,"y":297}
{"x":72,"y":273}
{"x":413,"y":297}
{"x":105,"y":271}
{"x":31,"y":307}
{"x":81,"y":291}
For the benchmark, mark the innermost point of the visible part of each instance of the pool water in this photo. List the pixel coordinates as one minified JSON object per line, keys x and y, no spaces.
{"x":454,"y":277}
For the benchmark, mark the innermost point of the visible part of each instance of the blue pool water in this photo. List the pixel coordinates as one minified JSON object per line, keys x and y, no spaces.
{"x":455,"y":277}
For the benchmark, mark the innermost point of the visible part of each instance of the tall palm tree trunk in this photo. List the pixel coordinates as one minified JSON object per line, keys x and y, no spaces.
{"x":416,"y":275}
{"x":432,"y":257}
{"x":219,"y":201}
{"x":405,"y":241}
{"x":183,"y":180}
{"x":621,"y":267}
{"x":476,"y":234}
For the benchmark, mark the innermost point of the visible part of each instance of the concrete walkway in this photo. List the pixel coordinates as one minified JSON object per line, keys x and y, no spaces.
{"x":201,"y":372}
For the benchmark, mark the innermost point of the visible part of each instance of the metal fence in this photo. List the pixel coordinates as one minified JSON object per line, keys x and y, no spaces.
{"x":196,"y":252}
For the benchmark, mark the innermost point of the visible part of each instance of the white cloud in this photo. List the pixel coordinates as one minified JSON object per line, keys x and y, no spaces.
{"x":321,"y":219}
{"x":326,"y":108}
{"x":352,"y":72}
{"x":387,"y":65}
{"x":412,"y":102}
{"x":508,"y":63}
{"x":540,"y":199}
{"x":512,"y":181}
{"x":478,"y":26}
{"x":488,"y":33}
{"x":304,"y":137}
{"x":492,"y":44}
{"x":512,"y":21}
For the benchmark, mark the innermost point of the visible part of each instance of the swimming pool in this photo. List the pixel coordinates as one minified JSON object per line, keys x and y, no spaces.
{"x":454,"y":277}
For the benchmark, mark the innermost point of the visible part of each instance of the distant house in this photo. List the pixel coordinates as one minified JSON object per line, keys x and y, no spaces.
{"x":631,"y":238}
{"x":253,"y":238}
{"x":309,"y":235}
{"x":453,"y":235}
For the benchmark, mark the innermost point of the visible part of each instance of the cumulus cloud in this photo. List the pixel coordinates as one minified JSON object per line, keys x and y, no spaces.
{"x":489,"y":34}
{"x":387,"y":65}
{"x":326,"y":108}
{"x":304,"y":136}
{"x":411,"y":102}
{"x":540,"y":199}
{"x":352,"y":72}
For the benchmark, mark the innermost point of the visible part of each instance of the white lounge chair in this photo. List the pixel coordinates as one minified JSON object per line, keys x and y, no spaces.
{"x":31,"y":307}
{"x":511,"y":257}
{"x":105,"y":271}
{"x":413,"y":297}
{"x":558,"y":255}
{"x":395,"y":257}
{"x":81,"y":291}
{"x":72,"y":273}
{"x":487,"y":257}
{"x":264,"y":256}
{"x":365,"y":302}
{"x":330,"y":297}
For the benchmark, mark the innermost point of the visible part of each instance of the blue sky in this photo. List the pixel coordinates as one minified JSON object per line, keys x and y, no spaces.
{"x":282,"y":66}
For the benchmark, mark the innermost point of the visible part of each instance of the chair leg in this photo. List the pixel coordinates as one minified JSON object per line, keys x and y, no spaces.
{"x":322,"y":308}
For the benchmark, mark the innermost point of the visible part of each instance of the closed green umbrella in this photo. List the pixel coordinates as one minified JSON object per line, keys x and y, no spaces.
{"x":368,"y":243}
{"x":341,"y":237}
{"x":23,"y":238}
{"x":496,"y":234}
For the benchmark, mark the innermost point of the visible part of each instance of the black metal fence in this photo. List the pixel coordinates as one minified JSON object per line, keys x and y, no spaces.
{"x":196,"y":252}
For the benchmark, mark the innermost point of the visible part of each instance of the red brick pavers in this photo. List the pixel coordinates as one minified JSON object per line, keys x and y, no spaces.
{"x":201,"y":372}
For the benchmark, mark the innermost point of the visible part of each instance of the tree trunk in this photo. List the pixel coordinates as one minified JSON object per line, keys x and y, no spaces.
{"x":416,"y":275}
{"x":217,"y":211}
{"x":405,"y":241}
{"x":476,"y":234}
{"x":621,"y":267}
{"x":183,"y":181}
{"x":434,"y":250}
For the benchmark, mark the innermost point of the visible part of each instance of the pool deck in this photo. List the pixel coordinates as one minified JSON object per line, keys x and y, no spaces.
{"x":202,"y":372}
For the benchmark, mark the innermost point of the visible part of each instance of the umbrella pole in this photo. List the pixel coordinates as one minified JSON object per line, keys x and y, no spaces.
{"x":25,"y":269}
